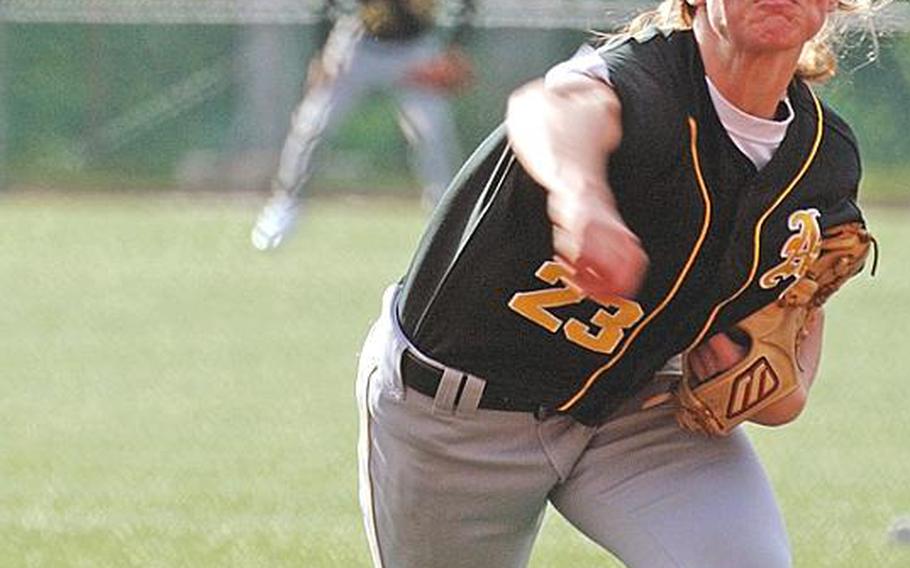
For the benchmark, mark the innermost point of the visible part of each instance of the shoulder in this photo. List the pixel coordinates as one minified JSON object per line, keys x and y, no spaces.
{"x":653,"y":57}
{"x":653,"y":50}
{"x":838,"y":167}
{"x":841,"y":154}
{"x":652,"y":74}
{"x":650,"y":38}
{"x":836,"y":129}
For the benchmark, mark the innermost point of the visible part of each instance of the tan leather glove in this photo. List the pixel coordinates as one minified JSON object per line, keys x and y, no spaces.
{"x":769,"y":371}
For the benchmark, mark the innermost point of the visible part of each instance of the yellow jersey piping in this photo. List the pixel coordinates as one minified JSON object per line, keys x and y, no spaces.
{"x":756,"y":237}
{"x":706,"y":222}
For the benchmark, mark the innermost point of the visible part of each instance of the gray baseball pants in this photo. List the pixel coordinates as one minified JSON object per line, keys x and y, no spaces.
{"x":448,"y":487}
{"x":358,"y":65}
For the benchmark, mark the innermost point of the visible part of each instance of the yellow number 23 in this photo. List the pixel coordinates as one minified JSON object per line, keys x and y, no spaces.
{"x":615,"y":316}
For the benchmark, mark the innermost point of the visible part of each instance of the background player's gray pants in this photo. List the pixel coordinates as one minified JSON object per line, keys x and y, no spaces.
{"x":363,"y":65}
{"x":443,"y":488}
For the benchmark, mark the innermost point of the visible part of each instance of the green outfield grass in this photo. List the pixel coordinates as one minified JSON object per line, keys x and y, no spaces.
{"x":171,"y":397}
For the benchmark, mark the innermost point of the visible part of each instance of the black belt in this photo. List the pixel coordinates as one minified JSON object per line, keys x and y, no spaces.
{"x":425,"y":378}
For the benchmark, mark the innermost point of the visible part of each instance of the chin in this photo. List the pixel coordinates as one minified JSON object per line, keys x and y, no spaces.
{"x":776,"y":34}
{"x":775,"y":41}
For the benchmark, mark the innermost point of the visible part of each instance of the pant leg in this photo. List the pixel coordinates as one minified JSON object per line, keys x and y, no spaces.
{"x":425,"y":116}
{"x":444,"y":490}
{"x":426,"y":119}
{"x":323,"y":107}
{"x":657,"y":496}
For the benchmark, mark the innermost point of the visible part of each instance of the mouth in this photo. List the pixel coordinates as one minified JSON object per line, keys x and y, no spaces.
{"x":776,"y":5}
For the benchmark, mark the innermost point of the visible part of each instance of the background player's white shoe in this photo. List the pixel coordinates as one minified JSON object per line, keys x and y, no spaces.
{"x":276,"y":221}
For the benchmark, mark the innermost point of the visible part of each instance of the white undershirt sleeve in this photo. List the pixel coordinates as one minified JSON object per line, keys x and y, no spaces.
{"x":586,"y":62}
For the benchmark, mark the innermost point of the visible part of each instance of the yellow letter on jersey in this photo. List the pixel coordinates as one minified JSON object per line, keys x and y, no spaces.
{"x":800,"y":250}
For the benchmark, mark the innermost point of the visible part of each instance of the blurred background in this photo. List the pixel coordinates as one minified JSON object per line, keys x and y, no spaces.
{"x":198,"y":94}
{"x":164,"y":94}
{"x":170,"y":396}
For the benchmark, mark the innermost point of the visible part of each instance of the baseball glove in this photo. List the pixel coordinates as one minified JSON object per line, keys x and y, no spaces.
{"x":770,"y":370}
{"x":448,"y":72}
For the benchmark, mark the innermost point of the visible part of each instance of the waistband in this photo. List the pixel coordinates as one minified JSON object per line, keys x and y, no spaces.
{"x":453,"y":389}
{"x":466,"y":391}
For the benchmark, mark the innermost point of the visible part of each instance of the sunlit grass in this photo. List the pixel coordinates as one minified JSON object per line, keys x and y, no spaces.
{"x":172,"y":397}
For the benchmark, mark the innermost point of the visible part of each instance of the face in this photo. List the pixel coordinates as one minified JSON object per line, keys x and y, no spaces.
{"x":765,"y":25}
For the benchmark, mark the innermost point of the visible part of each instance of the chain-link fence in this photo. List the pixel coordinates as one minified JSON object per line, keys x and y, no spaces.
{"x":491,"y":13}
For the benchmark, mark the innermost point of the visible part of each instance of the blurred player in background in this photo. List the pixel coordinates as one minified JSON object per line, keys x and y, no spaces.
{"x":375,"y":45}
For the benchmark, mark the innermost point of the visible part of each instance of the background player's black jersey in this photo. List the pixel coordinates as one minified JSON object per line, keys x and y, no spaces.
{"x":483,"y":294}
{"x":404,"y":19}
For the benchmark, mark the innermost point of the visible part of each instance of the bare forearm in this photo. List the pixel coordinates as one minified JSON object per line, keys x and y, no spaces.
{"x":563,"y":134}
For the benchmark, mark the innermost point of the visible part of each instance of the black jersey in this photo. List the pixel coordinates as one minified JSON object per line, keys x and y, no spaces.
{"x":484,"y":295}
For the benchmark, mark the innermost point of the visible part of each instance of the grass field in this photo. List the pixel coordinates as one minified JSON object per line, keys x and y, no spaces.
{"x":170,"y":397}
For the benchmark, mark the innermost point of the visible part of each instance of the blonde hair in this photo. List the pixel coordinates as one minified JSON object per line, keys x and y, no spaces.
{"x":818,"y":61}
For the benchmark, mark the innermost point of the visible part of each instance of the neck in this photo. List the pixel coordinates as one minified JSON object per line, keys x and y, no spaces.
{"x":755,"y":82}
